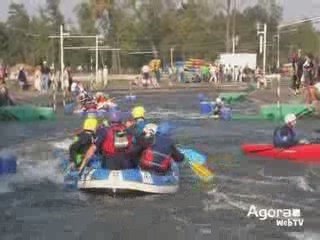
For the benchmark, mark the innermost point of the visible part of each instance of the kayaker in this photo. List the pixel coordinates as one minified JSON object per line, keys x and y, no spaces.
{"x":219,"y":105}
{"x":157,"y":150}
{"x":113,"y":143}
{"x":83,"y":140}
{"x":285,"y":136}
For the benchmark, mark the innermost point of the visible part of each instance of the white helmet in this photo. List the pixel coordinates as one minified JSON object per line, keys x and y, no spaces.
{"x":150,"y":129}
{"x":290,"y":118}
{"x":218,"y":100}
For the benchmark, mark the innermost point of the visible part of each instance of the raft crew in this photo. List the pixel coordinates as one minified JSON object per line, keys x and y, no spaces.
{"x":113,"y":143}
{"x":125,"y":142}
{"x":285,"y":136}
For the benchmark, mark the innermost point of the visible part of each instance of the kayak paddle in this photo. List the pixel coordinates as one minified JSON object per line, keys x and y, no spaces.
{"x":193,"y":155}
{"x":204,"y":173}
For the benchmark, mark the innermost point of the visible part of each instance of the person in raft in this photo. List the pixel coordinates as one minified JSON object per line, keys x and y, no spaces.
{"x":285,"y":136}
{"x":219,"y":105}
{"x":104,"y":101}
{"x":156,"y":150}
{"x":138,"y":121}
{"x":113,"y":143}
{"x":83,"y":140}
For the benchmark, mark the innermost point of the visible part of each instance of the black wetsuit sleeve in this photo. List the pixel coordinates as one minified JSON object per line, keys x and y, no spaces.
{"x":176,"y":154}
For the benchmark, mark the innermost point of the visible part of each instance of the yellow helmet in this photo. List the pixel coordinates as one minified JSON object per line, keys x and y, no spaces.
{"x":90,"y":124}
{"x":138,"y":112}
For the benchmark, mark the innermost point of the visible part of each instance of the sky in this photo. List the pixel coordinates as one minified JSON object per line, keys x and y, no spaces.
{"x":293,"y":9}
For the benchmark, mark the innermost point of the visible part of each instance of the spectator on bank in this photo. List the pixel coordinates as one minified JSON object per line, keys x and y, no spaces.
{"x":45,"y":77}
{"x":308,"y":77}
{"x":22,"y":78}
{"x":67,"y":79}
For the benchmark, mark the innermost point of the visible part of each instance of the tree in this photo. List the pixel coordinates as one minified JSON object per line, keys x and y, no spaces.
{"x":52,"y":18}
{"x":18,"y":24}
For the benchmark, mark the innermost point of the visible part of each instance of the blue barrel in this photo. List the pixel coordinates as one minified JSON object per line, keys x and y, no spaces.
{"x":205,"y":108}
{"x":8,"y":164}
{"x":226,"y":114}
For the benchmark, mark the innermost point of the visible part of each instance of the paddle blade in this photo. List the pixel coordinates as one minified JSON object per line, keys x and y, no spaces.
{"x":193,"y":155}
{"x":202,"y":172}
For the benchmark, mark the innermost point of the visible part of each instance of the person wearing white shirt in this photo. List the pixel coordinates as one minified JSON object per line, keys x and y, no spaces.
{"x":145,"y":75}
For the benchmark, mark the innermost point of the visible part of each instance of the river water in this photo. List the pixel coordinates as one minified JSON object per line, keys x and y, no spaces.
{"x":34,"y":204}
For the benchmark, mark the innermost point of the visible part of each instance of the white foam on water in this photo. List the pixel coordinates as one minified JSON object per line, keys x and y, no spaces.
{"x":164,"y":113}
{"x":221,"y":200}
{"x":242,"y":201}
{"x":63,"y":144}
{"x":248,"y":181}
{"x":33,"y":166}
{"x":306,"y":235}
{"x":300,"y":181}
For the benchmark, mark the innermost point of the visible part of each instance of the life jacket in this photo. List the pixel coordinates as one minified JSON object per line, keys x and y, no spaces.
{"x":157,"y":157}
{"x":117,"y":140}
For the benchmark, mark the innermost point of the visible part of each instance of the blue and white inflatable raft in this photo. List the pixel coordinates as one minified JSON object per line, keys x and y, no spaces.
{"x":96,"y":178}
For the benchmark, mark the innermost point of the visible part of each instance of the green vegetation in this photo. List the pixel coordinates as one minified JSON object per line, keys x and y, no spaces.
{"x":198,"y":29}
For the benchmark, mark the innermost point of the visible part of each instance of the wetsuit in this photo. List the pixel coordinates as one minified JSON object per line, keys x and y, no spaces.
{"x":284,"y":137}
{"x":80,"y":146}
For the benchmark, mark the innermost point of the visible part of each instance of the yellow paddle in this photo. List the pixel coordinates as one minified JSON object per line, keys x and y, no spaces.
{"x":203,"y":172}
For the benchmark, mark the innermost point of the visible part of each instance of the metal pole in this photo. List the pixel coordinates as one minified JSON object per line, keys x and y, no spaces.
{"x":264,"y":49}
{"x":278,"y":96}
{"x":62,"y":64}
{"x":278,"y":49}
{"x":233,"y":45}
{"x":171,"y":57}
{"x":54,"y":93}
{"x":97,"y":55}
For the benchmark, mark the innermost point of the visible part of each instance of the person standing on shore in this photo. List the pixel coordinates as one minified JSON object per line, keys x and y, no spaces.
{"x":308,"y":78}
{"x":297,"y":65}
{"x":22,"y":78}
{"x":45,"y":71}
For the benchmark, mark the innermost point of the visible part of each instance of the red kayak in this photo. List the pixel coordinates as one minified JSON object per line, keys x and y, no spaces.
{"x":308,"y":153}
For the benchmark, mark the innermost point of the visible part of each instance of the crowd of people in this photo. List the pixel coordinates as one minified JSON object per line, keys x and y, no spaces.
{"x":213,"y":73}
{"x":124,"y":141}
{"x":306,"y":75}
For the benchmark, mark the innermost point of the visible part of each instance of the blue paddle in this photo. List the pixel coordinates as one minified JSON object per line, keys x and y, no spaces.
{"x":193,"y":155}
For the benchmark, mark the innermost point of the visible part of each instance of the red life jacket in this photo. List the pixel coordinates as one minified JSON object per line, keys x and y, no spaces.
{"x":148,"y":160}
{"x":117,"y":140}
